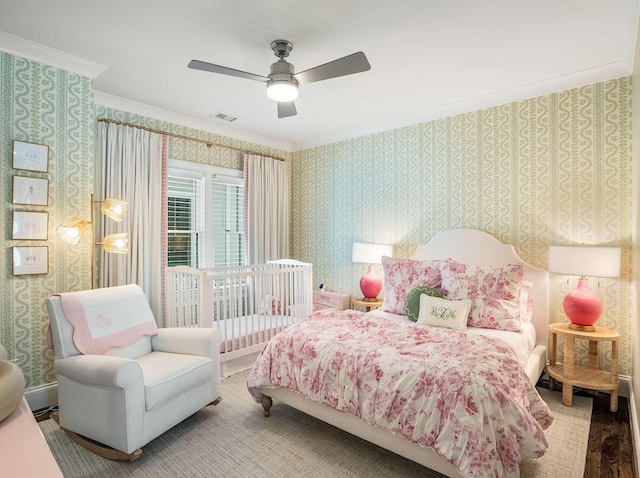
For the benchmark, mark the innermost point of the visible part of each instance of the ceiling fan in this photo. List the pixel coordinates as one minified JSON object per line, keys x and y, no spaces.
{"x":282,"y":82}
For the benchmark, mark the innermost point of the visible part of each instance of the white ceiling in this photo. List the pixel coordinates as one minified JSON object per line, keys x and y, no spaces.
{"x":429,"y":58}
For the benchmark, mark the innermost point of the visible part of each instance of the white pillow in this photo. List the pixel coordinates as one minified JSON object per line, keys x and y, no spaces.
{"x":439,"y":312}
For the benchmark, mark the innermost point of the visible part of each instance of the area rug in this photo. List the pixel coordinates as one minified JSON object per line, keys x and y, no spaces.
{"x":234,"y":439}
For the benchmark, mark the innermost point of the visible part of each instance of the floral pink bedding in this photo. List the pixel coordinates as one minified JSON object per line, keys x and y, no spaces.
{"x":466,"y":397}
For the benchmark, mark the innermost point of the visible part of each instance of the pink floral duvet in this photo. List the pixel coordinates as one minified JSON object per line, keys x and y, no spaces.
{"x":465,"y":397}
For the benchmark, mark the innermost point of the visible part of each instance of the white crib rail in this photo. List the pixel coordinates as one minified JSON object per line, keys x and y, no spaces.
{"x":249,"y":304}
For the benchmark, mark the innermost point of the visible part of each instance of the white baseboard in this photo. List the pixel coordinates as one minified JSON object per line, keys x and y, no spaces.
{"x":42,"y":396}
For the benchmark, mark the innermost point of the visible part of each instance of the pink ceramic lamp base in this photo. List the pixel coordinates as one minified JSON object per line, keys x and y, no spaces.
{"x":583,"y":307}
{"x":371,"y":285}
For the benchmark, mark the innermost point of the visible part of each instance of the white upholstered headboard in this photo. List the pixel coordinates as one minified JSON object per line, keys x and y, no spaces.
{"x":470,"y":246}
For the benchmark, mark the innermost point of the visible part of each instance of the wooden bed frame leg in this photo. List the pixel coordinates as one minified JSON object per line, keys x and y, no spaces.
{"x":98,"y":448}
{"x":266,"y":404}
{"x":216,"y":401}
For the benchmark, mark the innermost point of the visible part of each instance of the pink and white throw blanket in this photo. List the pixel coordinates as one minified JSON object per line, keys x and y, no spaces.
{"x":108,"y":317}
{"x":464,"y":396}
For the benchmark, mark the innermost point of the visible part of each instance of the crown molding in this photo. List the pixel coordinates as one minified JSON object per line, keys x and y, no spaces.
{"x":608,"y":71}
{"x":161,"y":114}
{"x":49,"y":56}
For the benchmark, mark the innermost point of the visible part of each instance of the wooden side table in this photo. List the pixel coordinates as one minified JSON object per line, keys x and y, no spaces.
{"x":590,"y":376}
{"x":368,"y":305}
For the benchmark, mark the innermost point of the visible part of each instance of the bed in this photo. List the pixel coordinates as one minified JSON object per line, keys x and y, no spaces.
{"x":520,"y":365}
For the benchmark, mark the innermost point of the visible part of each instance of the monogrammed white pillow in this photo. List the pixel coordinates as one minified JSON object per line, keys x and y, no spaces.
{"x":439,"y":312}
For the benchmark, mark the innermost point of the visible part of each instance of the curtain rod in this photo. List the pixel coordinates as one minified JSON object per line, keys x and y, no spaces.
{"x":197,"y":140}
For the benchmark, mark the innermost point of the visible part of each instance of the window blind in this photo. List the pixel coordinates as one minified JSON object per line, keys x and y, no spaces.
{"x":228,"y":223}
{"x":205,"y":219}
{"x":185,"y":221}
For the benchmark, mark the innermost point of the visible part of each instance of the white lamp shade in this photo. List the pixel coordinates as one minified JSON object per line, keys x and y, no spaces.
{"x":370,"y":253}
{"x":585,"y":261}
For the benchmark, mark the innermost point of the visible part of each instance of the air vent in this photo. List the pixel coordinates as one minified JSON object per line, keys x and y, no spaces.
{"x":224,"y":117}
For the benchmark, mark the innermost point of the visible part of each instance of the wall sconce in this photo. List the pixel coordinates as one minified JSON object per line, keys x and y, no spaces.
{"x":75,"y":229}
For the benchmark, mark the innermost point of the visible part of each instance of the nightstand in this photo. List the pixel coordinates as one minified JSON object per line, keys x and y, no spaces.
{"x":368,"y":305}
{"x":589,"y":377}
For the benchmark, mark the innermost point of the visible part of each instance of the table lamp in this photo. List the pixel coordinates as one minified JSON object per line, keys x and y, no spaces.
{"x":370,"y":283}
{"x":583,"y":306}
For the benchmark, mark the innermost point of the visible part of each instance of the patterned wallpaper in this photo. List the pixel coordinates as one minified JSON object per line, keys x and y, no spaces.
{"x":550,"y":170}
{"x":41,"y":104}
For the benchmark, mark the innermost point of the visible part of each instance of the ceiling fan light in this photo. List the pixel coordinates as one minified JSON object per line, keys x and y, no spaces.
{"x":282,"y":91}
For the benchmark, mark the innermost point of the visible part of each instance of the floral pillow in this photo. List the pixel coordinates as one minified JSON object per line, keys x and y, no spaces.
{"x":493,"y":290}
{"x":401,"y":276}
{"x":452,"y":314}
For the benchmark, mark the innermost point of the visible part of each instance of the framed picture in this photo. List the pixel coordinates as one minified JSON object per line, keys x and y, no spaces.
{"x":30,"y":225}
{"x":32,"y":191}
{"x":30,"y":260}
{"x":30,"y":156}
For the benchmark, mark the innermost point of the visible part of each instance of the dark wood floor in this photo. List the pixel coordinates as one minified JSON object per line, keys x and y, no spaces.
{"x":610,"y":450}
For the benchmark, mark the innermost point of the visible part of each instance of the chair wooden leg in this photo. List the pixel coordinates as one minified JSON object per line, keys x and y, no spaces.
{"x":98,"y":448}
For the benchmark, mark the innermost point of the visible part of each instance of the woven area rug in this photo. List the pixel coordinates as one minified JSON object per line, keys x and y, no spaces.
{"x":234,"y":439}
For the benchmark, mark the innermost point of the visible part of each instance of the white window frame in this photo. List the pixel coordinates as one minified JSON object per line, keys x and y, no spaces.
{"x":188,"y":169}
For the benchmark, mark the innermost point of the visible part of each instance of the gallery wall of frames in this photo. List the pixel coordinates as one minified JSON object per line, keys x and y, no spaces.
{"x":30,"y":195}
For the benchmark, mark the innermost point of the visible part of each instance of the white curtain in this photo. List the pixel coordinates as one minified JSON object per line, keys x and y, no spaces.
{"x":266,"y":189}
{"x":130,"y":165}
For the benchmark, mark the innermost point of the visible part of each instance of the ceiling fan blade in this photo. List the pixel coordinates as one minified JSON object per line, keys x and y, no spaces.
{"x":210,"y":67}
{"x":354,"y":63}
{"x":286,"y":109}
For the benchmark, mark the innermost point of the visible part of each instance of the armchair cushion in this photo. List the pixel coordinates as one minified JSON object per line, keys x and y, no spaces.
{"x":167,"y":375}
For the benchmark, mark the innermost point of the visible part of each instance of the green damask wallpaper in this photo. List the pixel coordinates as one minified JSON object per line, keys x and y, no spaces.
{"x":549,"y":170}
{"x":45,"y":105}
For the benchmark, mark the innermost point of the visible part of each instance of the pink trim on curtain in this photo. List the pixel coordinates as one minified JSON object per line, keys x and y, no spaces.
{"x":245,"y":185}
{"x":163,"y":223}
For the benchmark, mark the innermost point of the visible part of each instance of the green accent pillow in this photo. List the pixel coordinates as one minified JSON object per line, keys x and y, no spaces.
{"x":412,"y":304}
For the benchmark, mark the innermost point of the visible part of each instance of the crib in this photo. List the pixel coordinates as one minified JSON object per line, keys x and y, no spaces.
{"x":249,"y":304}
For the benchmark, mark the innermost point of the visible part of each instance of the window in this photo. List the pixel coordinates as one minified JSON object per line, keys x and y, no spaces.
{"x":205,"y":215}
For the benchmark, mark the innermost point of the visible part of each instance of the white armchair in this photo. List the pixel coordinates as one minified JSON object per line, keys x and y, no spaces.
{"x":129,"y":395}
